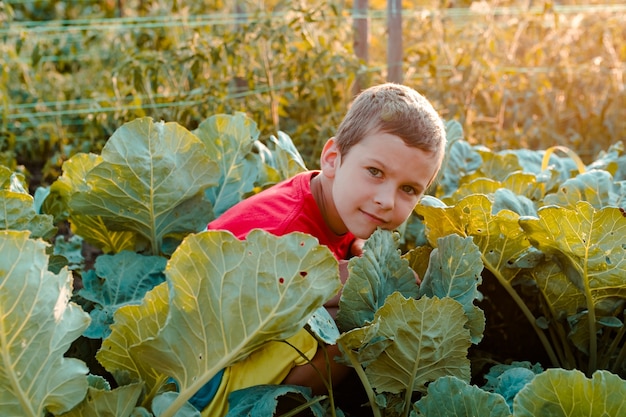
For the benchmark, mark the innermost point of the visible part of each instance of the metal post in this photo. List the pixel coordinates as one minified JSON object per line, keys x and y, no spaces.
{"x":394,"y":41}
{"x":361,"y":40}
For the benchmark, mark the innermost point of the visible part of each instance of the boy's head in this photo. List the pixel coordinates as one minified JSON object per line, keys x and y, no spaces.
{"x":386,"y":153}
{"x":395,"y":109}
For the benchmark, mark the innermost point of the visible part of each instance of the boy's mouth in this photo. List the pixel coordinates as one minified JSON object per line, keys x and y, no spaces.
{"x":373,"y":218}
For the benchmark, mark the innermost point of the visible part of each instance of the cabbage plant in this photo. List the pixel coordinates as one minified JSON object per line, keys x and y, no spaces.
{"x":171,"y":304}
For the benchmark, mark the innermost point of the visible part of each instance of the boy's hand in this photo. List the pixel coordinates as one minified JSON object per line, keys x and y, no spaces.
{"x":418,"y":280}
{"x":333,"y":304}
{"x":357,"y":247}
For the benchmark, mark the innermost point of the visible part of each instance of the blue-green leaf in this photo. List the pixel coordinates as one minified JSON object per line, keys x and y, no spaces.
{"x":411,"y":343}
{"x":229,"y":140}
{"x":454,"y":271}
{"x":151,"y":180}
{"x":449,"y":396}
{"x":261,"y":400}
{"x":118,"y":280}
{"x":229,"y":297}
{"x":374,"y":276}
{"x":37,"y":326}
{"x":568,"y":393}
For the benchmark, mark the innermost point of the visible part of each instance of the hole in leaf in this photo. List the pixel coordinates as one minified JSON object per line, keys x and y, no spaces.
{"x":303,"y":274}
{"x":281,"y":280}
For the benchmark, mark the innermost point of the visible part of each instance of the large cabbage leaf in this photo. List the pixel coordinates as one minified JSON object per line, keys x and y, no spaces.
{"x":505,"y":249}
{"x":373,"y":277}
{"x":588,"y":245}
{"x":411,"y":343}
{"x":37,"y":326}
{"x":151,"y":181}
{"x":17,"y":207}
{"x":229,"y":140}
{"x":90,"y":227}
{"x":104,"y":402}
{"x":449,"y":396}
{"x":133,"y":324}
{"x":455,"y":271}
{"x":595,"y":187}
{"x":500,"y":238}
{"x":568,"y":393}
{"x":227,"y":298}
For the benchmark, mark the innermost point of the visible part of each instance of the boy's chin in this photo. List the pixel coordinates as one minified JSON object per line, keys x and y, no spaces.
{"x":363,"y":234}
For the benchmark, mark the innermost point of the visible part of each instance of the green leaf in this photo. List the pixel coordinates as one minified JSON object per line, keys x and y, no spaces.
{"x":12,"y":181}
{"x":500,"y":238}
{"x":419,"y":259}
{"x":454,"y":271}
{"x":594,"y":187}
{"x":262,"y":400}
{"x":229,"y":142}
{"x":73,"y":179}
{"x":91,"y":228}
{"x":568,"y":393}
{"x":37,"y":326}
{"x":228,"y":297}
{"x":323,"y":326}
{"x":132,"y":325}
{"x":285,"y":157}
{"x":119,"y":402}
{"x":70,"y":247}
{"x":496,"y":166}
{"x":587,"y":242}
{"x":504,"y":199}
{"x":151,"y":180}
{"x":380,"y":272}
{"x":414,"y":342}
{"x":17,"y":212}
{"x":460,"y":160}
{"x":515,"y":193}
{"x":163,"y":401}
{"x":95,"y":231}
{"x":449,"y":396}
{"x":508,"y":379}
{"x":588,"y":246}
{"x":116,"y":280}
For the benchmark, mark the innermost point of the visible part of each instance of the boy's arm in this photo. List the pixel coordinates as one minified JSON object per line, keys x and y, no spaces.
{"x":307,"y":375}
{"x":356,"y":249}
{"x":332,"y":305}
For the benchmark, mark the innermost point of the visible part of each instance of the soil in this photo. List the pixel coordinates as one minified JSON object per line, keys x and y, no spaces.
{"x":508,"y":334}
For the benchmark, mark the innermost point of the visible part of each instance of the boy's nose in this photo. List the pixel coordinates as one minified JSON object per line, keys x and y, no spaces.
{"x":384,"y":197}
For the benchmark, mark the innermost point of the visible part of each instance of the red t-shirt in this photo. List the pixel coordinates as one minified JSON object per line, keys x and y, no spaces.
{"x":284,"y":208}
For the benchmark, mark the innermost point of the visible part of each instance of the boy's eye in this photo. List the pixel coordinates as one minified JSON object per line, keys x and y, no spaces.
{"x":409,"y":190}
{"x":374,"y":171}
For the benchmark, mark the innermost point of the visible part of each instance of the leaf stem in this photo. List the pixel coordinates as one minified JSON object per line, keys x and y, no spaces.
{"x":361,"y":373}
{"x":327,"y":383}
{"x":546,"y":157}
{"x":529,"y":315}
{"x":609,"y":352}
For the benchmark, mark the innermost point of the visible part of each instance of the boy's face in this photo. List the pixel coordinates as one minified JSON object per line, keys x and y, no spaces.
{"x":377,"y":184}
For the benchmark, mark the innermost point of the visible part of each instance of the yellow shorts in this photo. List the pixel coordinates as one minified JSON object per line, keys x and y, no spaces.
{"x":269,"y":364}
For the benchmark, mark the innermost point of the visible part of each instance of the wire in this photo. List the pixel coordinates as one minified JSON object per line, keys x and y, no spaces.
{"x":80,"y":27}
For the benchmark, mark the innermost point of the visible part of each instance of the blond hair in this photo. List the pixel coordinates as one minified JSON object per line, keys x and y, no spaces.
{"x":395,"y":109}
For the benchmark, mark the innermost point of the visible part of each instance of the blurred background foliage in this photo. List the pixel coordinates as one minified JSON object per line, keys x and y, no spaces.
{"x":515,"y":74}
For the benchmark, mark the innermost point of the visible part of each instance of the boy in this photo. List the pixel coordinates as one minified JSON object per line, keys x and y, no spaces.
{"x":386,"y":153}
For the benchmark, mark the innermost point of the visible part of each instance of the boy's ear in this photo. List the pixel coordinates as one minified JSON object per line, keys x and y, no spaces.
{"x":330,"y":158}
